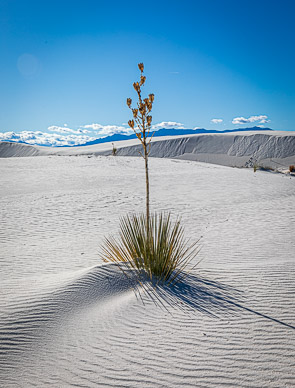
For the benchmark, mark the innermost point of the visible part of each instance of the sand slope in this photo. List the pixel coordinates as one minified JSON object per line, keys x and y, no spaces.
{"x":68,"y":321}
{"x":261,"y":146}
{"x":268,"y":148}
{"x":9,"y":149}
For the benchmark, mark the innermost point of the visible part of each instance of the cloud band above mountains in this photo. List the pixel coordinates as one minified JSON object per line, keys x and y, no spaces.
{"x":65,"y":136}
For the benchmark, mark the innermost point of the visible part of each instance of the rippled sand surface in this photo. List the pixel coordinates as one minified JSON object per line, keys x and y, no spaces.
{"x":66,"y":320}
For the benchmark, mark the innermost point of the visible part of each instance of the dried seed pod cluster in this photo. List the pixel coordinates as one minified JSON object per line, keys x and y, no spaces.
{"x":141,"y":116}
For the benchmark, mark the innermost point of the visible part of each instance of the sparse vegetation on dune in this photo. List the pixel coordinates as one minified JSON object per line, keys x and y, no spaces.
{"x":262,"y":168}
{"x":114,"y":150}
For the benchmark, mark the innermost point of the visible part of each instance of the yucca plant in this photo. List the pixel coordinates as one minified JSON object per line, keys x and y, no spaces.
{"x":157,"y":251}
{"x":151,"y":246}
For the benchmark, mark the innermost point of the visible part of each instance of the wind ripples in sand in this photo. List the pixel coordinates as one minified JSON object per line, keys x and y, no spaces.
{"x":66,"y":321}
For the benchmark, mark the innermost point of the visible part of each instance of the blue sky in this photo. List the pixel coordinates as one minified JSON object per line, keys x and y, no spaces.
{"x":74,"y":62}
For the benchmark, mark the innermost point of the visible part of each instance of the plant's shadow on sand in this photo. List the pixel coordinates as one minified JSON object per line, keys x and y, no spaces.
{"x":197,"y":293}
{"x":40,"y":315}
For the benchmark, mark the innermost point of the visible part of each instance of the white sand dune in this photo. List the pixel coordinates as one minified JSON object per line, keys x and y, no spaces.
{"x":275,"y":149}
{"x":10,"y":149}
{"x":67,"y":320}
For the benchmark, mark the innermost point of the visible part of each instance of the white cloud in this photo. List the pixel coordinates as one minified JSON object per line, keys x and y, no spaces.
{"x":216,"y":121}
{"x":168,"y":125}
{"x":46,"y":139}
{"x":107,"y":130}
{"x":261,"y":119}
{"x":93,"y":126}
{"x":56,"y":128}
{"x":8,"y":136}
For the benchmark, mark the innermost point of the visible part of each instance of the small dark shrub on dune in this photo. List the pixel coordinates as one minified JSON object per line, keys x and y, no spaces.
{"x":262,"y":168}
{"x":292,"y":168}
{"x":114,"y":151}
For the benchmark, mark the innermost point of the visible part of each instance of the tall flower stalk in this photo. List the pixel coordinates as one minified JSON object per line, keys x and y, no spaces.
{"x":141,"y":125}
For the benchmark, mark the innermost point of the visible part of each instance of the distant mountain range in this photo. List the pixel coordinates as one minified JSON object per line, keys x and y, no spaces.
{"x":167,"y":132}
